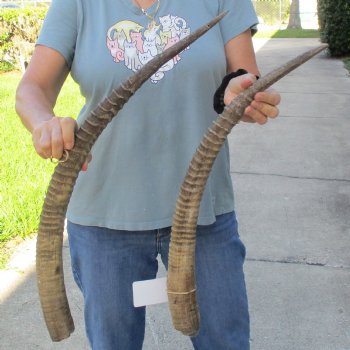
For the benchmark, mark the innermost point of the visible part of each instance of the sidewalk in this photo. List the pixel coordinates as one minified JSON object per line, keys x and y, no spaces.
{"x":292,"y":181}
{"x":292,"y":187}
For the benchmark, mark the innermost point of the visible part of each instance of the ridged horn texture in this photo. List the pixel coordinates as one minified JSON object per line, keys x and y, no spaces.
{"x":49,"y":265}
{"x":181,"y":283}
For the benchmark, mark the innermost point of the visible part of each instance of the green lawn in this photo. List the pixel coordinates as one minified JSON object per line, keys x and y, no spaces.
{"x":288,"y":33}
{"x":24,"y":175}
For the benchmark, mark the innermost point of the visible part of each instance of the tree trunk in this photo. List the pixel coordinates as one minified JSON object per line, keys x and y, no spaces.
{"x":294,"y":17}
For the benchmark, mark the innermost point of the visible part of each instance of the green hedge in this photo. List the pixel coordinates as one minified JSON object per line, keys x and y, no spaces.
{"x":334,"y":22}
{"x":19,"y":29}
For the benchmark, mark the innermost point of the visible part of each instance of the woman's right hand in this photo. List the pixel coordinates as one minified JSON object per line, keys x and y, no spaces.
{"x":51,"y":137}
{"x":36,"y":97}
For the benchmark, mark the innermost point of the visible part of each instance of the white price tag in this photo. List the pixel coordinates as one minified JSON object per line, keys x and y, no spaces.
{"x":150,"y":292}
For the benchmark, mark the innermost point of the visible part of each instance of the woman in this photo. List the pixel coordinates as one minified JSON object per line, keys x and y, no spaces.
{"x":121,"y":209}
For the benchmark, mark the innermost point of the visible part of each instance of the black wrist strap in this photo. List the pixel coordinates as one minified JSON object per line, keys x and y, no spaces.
{"x":218,"y":102}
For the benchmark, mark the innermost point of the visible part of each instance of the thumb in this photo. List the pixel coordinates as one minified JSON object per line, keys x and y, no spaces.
{"x":247,"y":81}
{"x":237,"y":85}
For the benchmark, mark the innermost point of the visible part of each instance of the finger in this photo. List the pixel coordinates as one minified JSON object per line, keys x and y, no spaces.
{"x":42,"y":143}
{"x":56,"y":140}
{"x":237,"y":85}
{"x":266,"y":109}
{"x":247,"y":119}
{"x":86,"y":163}
{"x":35,"y":139}
{"x":68,"y":127}
{"x":84,"y":167}
{"x":255,"y":115}
{"x":247,"y":82}
{"x":269,"y":96}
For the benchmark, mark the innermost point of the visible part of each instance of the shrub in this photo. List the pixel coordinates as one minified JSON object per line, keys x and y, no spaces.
{"x":19,"y":29}
{"x":6,"y":66}
{"x":334,"y":22}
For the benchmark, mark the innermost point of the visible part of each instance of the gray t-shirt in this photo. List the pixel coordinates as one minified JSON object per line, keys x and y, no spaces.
{"x":141,"y":158}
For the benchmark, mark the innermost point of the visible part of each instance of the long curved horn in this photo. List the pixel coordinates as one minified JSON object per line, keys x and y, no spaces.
{"x":49,"y":265}
{"x":181,"y":269}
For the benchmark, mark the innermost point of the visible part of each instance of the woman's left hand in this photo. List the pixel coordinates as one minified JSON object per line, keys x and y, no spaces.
{"x":263,"y":106}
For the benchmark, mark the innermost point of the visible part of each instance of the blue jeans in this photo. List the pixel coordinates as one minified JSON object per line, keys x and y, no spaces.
{"x":106,"y":262}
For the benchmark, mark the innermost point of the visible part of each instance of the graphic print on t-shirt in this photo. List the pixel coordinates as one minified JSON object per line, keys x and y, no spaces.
{"x":133,"y":45}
